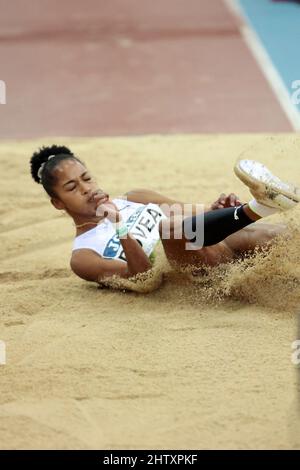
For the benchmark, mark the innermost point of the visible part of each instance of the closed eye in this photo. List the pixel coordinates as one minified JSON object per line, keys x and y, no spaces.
{"x":84,"y":178}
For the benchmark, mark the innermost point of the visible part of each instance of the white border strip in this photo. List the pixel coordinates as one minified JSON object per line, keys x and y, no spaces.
{"x":264,"y":61}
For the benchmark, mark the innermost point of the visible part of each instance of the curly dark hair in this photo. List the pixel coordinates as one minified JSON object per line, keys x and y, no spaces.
{"x":46,"y":177}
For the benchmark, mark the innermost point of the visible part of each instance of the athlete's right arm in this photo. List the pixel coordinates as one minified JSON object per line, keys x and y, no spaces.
{"x":90,"y":266}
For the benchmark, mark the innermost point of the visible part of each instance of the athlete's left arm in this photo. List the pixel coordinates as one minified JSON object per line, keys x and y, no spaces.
{"x":147,"y":196}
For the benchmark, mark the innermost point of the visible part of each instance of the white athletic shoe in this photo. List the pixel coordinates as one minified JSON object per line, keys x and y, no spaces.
{"x":265,"y":187}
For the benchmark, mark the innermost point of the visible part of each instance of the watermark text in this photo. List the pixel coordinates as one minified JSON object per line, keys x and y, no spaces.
{"x":2,"y":353}
{"x":2,"y":92}
{"x":296,"y":94}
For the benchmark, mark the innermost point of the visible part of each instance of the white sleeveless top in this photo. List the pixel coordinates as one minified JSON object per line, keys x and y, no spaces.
{"x":142,"y":222}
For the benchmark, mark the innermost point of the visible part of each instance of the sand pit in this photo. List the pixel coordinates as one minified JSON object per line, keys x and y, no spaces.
{"x":188,"y":365}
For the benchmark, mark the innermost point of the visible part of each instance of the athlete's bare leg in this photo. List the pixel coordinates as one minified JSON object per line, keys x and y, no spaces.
{"x":178,"y":254}
{"x":253,"y":237}
{"x":247,"y":240}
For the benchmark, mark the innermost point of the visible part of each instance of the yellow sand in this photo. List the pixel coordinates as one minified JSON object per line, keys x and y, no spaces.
{"x":192,"y":364}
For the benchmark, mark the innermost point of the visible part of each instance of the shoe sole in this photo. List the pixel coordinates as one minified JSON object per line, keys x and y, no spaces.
{"x":259,"y":179}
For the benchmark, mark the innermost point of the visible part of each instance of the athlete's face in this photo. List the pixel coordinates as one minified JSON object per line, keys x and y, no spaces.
{"x":75,"y":188}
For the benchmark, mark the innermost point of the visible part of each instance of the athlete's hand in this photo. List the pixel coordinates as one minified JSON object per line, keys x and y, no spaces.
{"x":223,"y":201}
{"x":107,"y":209}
